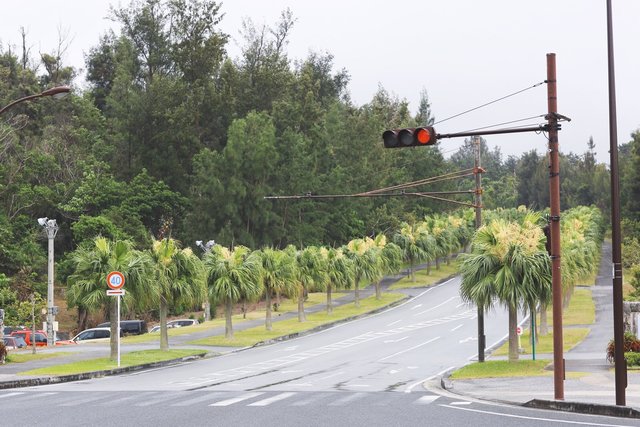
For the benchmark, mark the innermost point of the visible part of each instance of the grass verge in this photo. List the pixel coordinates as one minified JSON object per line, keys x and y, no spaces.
{"x":502,"y":368}
{"x":571,"y":337}
{"x":581,"y":310}
{"x":423,"y":279}
{"x":258,"y":334}
{"x":286,"y":305}
{"x":105,"y":363}
{"x":28,"y":357}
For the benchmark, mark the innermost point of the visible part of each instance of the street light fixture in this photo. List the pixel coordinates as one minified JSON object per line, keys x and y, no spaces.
{"x":55,"y":92}
{"x":206,"y":247}
{"x":51,"y":227}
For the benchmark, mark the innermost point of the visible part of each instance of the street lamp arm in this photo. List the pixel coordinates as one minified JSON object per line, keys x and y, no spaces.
{"x":56,"y":92}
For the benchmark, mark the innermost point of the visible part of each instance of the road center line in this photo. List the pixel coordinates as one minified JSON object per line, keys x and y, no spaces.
{"x":409,"y":349}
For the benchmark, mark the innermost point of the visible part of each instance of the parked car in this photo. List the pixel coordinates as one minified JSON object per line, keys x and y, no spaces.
{"x":14,"y":342}
{"x":93,"y":335}
{"x":157,"y":328}
{"x":41,"y":337}
{"x":128,"y":327}
{"x":183,"y":322}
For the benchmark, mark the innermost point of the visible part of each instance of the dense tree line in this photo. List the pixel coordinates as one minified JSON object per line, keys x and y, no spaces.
{"x":173,"y":138}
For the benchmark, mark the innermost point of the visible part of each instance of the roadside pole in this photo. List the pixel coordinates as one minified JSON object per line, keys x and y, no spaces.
{"x":554,"y":205}
{"x":115,"y":281}
{"x":478,"y":173}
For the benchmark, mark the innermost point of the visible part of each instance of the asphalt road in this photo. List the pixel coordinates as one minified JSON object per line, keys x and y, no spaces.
{"x":367,"y":372}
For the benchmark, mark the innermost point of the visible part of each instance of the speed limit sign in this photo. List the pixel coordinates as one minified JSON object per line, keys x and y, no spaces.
{"x":115,"y":280}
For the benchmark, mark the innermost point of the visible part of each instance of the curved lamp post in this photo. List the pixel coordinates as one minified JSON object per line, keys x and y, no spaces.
{"x":55,"y":92}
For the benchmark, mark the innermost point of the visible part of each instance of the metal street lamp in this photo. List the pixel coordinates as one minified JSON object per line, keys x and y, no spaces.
{"x":51,"y":227}
{"x":55,"y":92}
{"x":206,"y":247}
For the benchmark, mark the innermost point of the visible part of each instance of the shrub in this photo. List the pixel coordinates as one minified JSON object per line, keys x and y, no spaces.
{"x":631,"y":344}
{"x":633,"y":359}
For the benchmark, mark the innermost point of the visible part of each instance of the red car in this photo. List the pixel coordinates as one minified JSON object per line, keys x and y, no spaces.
{"x":41,"y":337}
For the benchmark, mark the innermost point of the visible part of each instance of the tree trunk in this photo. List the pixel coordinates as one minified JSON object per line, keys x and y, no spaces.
{"x":357,"y":293}
{"x":329,"y":307}
{"x":513,"y":336}
{"x":301,"y":316}
{"x":244,"y":309}
{"x":544,"y":325}
{"x":228,"y":326}
{"x":113,"y":316}
{"x":378,"y":290}
{"x":276,"y":305}
{"x":412,"y":273}
{"x":437,"y":263}
{"x":428,"y":268}
{"x":267,"y":322}
{"x":164,"y":333}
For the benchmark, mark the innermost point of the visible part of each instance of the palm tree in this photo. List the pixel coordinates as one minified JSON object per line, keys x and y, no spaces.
{"x":389,"y":259}
{"x":365,"y":263}
{"x":311,"y":272}
{"x":509,"y":264}
{"x":339,"y":272}
{"x":412,"y":240}
{"x":232,"y":275}
{"x":177,"y":274}
{"x":278,"y":276}
{"x":87,"y":284}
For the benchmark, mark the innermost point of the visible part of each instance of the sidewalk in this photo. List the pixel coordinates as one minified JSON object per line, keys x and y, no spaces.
{"x":590,"y":379}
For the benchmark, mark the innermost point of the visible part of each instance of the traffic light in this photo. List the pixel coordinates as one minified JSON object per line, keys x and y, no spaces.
{"x":409,"y":137}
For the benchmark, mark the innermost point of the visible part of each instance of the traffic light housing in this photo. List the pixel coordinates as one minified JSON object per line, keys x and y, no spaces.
{"x":409,"y":137}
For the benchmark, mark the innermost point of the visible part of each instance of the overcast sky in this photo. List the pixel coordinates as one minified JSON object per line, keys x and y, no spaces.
{"x":463,"y":52}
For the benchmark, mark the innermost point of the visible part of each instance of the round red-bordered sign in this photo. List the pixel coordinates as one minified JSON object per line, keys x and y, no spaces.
{"x":115,"y":280}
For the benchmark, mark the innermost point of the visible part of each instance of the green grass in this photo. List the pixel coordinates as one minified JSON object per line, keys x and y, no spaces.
{"x":286,"y":305}
{"x":571,"y":337}
{"x":255,"y":335}
{"x":28,"y":357}
{"x":424,"y":279}
{"x":502,"y":368}
{"x":127,"y":359}
{"x":581,"y":310}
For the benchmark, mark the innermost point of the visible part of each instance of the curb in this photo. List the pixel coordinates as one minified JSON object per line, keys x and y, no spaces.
{"x":584,"y":408}
{"x":31,"y":382}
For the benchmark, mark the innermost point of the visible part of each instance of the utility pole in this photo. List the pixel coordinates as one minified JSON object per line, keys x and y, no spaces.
{"x":554,"y":197}
{"x":478,"y":202}
{"x":618,"y":321}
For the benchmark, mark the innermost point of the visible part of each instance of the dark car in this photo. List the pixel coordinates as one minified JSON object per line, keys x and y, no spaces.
{"x":14,"y":342}
{"x":129,"y":327}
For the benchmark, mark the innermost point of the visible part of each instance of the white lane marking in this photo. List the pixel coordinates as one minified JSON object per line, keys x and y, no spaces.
{"x":523,"y":417}
{"x":233,"y":400}
{"x":301,"y":384}
{"x":293,"y":347}
{"x":393,"y":371}
{"x":436,"y":306}
{"x":312,"y":399}
{"x":393,"y":323}
{"x":409,"y":349}
{"x":398,"y":340}
{"x":11,"y":394}
{"x":272,"y":399}
{"x":290,"y":371}
{"x":348,"y":399}
{"x":77,"y":402}
{"x":358,"y":385}
{"x":461,"y":403}
{"x":462,"y":304}
{"x":425,"y":400}
{"x":416,"y":306}
{"x":332,"y":375}
{"x":188,"y":402}
{"x":467,"y":340}
{"x":457,"y":327}
{"x":411,"y":387}
{"x":158,"y":399}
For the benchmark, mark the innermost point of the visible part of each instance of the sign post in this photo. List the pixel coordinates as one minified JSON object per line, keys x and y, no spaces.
{"x":115,"y":281}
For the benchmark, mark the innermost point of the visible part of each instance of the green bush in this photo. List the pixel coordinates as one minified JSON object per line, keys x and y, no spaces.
{"x":632,"y":358}
{"x":631,"y":344}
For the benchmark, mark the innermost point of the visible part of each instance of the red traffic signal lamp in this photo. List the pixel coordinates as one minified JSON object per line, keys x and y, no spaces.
{"x":409,"y":137}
